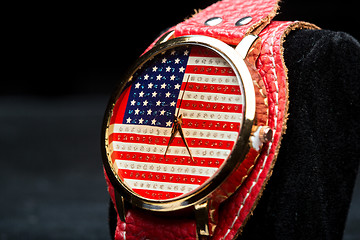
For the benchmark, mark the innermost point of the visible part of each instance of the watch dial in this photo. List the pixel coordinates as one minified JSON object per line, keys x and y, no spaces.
{"x":175,"y":126}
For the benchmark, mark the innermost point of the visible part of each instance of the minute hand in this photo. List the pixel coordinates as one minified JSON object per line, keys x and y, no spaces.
{"x":174,"y":130}
{"x":177,"y":128}
{"x":183,"y":137}
{"x":177,"y":124}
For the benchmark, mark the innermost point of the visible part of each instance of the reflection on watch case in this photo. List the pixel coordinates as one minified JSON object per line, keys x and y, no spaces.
{"x":190,"y":82}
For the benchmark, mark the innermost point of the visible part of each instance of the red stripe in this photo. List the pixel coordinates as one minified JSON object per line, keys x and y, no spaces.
{"x":212,"y":88}
{"x":151,"y":194}
{"x":210,"y":106}
{"x":163,"y":141}
{"x":202,"y":52}
{"x":162,"y":177}
{"x":209,"y":70}
{"x":211,"y":125}
{"x":170,"y":159}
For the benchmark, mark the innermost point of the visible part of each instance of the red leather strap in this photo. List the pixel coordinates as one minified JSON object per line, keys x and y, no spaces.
{"x":230,"y":12}
{"x":235,"y":212}
{"x":271,"y":67}
{"x":142,"y":225}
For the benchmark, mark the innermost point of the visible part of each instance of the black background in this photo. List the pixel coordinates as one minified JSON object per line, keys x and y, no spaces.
{"x":61,"y":63}
{"x":84,"y":47}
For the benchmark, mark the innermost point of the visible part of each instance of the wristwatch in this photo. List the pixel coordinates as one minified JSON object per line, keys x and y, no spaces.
{"x":191,"y":135}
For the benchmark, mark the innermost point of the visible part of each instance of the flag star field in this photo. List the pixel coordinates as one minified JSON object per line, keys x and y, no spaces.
{"x":154,"y":93}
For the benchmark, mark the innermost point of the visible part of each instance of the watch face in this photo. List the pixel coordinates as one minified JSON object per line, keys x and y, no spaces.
{"x":173,"y":128}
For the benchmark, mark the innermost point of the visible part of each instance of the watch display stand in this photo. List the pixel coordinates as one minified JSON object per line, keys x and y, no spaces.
{"x":310,"y":190}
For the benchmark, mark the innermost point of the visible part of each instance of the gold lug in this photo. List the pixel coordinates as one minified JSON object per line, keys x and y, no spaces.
{"x":202,"y":220}
{"x":249,"y":48}
{"x":120,"y":205}
{"x":166,"y":36}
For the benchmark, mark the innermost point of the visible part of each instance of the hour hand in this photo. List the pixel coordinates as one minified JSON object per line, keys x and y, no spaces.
{"x":185,"y":142}
{"x":174,"y":130}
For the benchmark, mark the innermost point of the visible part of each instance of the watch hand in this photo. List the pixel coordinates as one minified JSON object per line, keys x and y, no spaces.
{"x":177,"y":128}
{"x":174,"y":130}
{"x":177,"y":124}
{"x":185,"y":142}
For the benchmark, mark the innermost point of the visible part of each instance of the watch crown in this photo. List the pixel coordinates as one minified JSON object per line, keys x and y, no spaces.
{"x":266,"y":134}
{"x":259,"y":136}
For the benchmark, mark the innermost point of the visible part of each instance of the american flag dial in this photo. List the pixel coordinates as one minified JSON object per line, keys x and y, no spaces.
{"x":175,"y":126}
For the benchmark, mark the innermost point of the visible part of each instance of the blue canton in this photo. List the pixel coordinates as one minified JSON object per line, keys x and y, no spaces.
{"x":155,"y":90}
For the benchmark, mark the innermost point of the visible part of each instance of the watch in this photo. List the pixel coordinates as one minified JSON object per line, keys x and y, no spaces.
{"x":191,"y":135}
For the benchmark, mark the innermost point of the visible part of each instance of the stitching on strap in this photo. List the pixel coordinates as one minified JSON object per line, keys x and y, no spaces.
{"x":271,"y":142}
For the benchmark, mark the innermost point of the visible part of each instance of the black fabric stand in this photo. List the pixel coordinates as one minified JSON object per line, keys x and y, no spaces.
{"x":309,"y":193}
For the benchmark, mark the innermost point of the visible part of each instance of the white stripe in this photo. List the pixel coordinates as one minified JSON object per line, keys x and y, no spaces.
{"x":212,"y":97}
{"x":166,"y":132}
{"x":208,"y":61}
{"x":165,"y":168}
{"x":210,"y":115}
{"x":212,"y":79}
{"x":173,"y":150}
{"x":140,"y":129}
{"x":160,"y":186}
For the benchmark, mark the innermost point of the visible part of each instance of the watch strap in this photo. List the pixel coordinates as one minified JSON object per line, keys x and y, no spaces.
{"x":271,"y":66}
{"x":235,"y":18}
{"x":238,"y":208}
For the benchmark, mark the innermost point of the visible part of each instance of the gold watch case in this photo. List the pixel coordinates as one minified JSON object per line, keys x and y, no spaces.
{"x":245,"y":75}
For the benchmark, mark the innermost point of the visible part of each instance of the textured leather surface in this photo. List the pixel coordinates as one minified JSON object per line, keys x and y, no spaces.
{"x":153,"y":227}
{"x":234,"y":212}
{"x":230,"y":11}
{"x":144,"y":225}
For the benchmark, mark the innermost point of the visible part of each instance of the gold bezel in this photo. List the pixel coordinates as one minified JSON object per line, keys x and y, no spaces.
{"x":240,"y":149}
